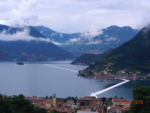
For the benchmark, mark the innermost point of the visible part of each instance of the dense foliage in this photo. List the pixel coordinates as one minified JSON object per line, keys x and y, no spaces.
{"x":90,"y":58}
{"x":132,"y":55}
{"x":17,"y":104}
{"x":141,"y":93}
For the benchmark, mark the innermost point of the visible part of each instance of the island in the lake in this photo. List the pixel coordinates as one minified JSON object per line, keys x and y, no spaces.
{"x":20,"y":63}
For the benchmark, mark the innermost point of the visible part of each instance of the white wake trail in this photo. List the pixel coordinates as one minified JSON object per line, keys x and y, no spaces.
{"x":61,"y":68}
{"x":109,"y":88}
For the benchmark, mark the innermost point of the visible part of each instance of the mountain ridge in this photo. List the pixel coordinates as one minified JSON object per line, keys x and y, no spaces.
{"x":132,"y":55}
{"x":29,"y":50}
{"x":79,"y":44}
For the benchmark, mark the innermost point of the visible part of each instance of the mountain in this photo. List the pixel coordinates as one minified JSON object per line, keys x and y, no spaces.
{"x":56,"y":36}
{"x":133,"y":55}
{"x":87,"y":59}
{"x":28,"y":50}
{"x":81,"y":43}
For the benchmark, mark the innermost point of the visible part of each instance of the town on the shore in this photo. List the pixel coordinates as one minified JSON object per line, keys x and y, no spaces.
{"x":107,"y":74}
{"x":88,"y":104}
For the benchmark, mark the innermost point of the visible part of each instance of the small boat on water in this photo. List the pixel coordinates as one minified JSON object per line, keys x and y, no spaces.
{"x":20,"y":63}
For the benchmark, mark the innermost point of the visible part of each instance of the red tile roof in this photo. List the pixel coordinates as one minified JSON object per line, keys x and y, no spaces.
{"x":117,"y":100}
{"x":124,"y":109}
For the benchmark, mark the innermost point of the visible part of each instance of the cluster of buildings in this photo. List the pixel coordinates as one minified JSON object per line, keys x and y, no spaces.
{"x":121,"y":74}
{"x":88,"y":104}
{"x":98,"y":105}
{"x":52,"y":103}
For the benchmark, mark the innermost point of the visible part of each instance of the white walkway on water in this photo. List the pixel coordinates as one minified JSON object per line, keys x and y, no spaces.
{"x":109,"y":88}
{"x":60,"y":68}
{"x":99,"y":92}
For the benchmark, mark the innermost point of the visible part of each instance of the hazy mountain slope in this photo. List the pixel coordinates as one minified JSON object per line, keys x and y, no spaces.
{"x":87,"y":59}
{"x":132,"y":55}
{"x":56,"y":36}
{"x":31,"y":50}
{"x":80,"y":43}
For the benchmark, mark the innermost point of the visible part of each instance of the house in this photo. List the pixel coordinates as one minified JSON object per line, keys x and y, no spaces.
{"x":85,"y":100}
{"x":96,"y":102}
{"x":85,"y":111}
{"x":5,"y":96}
{"x":116,"y":109}
{"x":73,"y":106}
{"x":49,"y":103}
{"x":71,"y":101}
{"x":66,"y":105}
{"x":138,"y":72}
{"x":100,"y":109}
{"x":122,"y":71}
{"x":118,"y":101}
{"x":63,"y":110}
{"x":59,"y":100}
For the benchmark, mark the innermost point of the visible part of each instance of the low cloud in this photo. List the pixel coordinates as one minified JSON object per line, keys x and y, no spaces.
{"x":73,"y":40}
{"x":111,"y":39}
{"x":20,"y":36}
{"x":23,"y":15}
{"x":57,"y":43}
{"x":61,"y":35}
{"x":94,"y":42}
{"x":146,"y":29}
{"x":53,"y":34}
{"x":94,"y":31}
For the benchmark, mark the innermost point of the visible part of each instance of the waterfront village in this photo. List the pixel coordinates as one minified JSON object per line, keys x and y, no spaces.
{"x":88,"y":104}
{"x":106,"y":74}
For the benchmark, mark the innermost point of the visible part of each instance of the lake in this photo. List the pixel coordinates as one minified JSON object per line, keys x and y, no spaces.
{"x":44,"y":78}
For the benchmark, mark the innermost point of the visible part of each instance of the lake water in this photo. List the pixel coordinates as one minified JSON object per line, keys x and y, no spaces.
{"x":41,"y":79}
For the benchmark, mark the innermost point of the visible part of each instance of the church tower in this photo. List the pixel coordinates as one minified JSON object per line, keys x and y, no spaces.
{"x":54,"y":100}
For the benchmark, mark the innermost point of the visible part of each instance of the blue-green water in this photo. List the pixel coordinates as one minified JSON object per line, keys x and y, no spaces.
{"x":35,"y":78}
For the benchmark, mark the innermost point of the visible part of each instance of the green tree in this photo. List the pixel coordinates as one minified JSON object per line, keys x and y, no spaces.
{"x":82,"y":103}
{"x":141,"y":102}
{"x":54,"y":111}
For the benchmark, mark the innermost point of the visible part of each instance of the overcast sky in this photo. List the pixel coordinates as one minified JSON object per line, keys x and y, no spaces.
{"x":75,"y":15}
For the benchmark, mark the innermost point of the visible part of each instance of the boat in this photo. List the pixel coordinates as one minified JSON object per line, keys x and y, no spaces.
{"x":20,"y":63}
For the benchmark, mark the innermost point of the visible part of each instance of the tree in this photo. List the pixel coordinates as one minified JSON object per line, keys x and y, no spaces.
{"x":121,"y":98}
{"x":54,"y":111}
{"x":46,"y":96}
{"x":116,"y":96}
{"x":103,"y":99}
{"x":82,"y":103}
{"x":141,"y":100}
{"x":91,"y":66}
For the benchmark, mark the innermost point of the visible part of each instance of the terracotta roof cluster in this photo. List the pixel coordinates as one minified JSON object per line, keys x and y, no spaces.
{"x":5,"y":96}
{"x":123,"y":109}
{"x":117,"y":100}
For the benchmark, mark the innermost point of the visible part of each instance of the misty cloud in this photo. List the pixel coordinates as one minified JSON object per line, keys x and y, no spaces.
{"x":73,"y":40}
{"x":94,"y":31}
{"x":20,"y":36}
{"x":61,"y":35}
{"x":75,"y":15}
{"x":94,"y":42}
{"x":111,"y":39}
